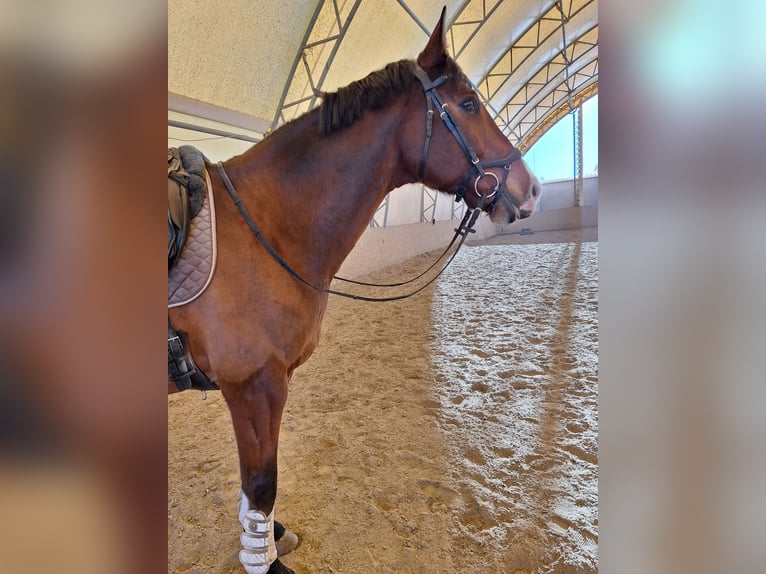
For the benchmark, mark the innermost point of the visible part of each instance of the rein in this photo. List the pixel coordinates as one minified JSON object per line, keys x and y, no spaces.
{"x":458,"y":232}
{"x":466,"y":227}
{"x":462,"y":231}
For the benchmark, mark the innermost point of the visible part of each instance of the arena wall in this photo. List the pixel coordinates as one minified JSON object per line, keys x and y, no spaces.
{"x":554,"y":220}
{"x":381,"y":247}
{"x":559,"y":193}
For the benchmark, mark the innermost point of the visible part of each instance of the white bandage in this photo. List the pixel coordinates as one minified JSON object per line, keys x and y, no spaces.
{"x":259,"y":550}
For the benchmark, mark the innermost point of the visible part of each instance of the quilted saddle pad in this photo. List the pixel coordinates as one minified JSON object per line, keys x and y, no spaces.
{"x":194,"y":269}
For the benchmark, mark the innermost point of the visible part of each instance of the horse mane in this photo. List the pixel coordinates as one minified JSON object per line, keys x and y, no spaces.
{"x":342,"y":108}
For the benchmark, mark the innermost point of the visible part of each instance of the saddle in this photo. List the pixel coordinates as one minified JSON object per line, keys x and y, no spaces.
{"x":186,"y":192}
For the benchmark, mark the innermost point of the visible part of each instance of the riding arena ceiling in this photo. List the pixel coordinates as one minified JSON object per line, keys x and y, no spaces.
{"x":242,"y":68}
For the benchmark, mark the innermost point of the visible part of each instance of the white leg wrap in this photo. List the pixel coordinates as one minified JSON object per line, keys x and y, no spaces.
{"x":259,"y":550}
{"x":243,"y":505}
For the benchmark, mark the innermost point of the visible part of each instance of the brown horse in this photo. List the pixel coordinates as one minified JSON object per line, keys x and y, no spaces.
{"x":312,"y":187}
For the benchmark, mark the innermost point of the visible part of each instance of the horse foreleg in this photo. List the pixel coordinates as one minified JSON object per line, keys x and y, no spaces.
{"x":256,"y":410}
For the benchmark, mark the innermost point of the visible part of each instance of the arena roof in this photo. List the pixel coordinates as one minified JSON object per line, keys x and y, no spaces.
{"x":252,"y":66}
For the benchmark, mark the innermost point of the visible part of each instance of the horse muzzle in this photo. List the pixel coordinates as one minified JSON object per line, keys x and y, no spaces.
{"x":505,"y":207}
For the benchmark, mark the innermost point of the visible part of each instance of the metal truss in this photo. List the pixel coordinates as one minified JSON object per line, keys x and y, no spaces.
{"x":519,"y":52}
{"x":383,"y":207}
{"x":544,"y":92}
{"x":458,"y":210}
{"x":567,"y":63}
{"x":577,"y":141}
{"x":554,"y":116}
{"x":428,"y":199}
{"x":523,"y":52}
{"x":316,"y":55}
{"x":472,"y":15}
{"x":556,"y":106}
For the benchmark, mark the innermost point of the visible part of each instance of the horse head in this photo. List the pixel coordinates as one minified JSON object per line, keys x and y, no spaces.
{"x":461,"y":150}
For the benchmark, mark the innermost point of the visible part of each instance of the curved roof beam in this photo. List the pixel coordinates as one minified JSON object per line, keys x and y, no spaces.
{"x":505,"y":26}
{"x":301,"y":90}
{"x":414,"y":17}
{"x":535,"y":47}
{"x":540,"y":45}
{"x":538,"y":129}
{"x":467,"y":21}
{"x":557,"y":96}
{"x":583,"y":54}
{"x":548,"y":78}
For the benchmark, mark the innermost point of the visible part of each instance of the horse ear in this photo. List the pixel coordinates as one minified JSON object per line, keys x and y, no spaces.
{"x":435,"y":52}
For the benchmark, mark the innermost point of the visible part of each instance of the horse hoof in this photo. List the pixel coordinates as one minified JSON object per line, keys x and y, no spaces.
{"x":278,"y":568}
{"x":286,"y":543}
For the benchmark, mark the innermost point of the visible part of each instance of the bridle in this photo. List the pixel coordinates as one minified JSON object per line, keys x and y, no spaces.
{"x":433,"y":98}
{"x":469,"y":219}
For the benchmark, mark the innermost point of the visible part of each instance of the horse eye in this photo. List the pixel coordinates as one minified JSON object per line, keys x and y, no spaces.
{"x":470,"y":106}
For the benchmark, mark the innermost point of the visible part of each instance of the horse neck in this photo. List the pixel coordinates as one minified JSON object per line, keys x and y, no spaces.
{"x":322,"y":191}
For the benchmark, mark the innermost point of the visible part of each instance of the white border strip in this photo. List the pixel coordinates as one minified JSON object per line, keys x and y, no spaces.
{"x":215,"y":244}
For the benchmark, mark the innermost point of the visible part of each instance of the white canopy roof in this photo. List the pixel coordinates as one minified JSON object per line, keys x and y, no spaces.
{"x":253,"y":65}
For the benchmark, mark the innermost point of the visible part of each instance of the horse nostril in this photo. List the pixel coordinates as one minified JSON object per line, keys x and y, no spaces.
{"x":535,"y":189}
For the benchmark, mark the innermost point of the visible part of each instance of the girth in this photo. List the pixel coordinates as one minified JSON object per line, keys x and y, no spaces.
{"x":181,"y":367}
